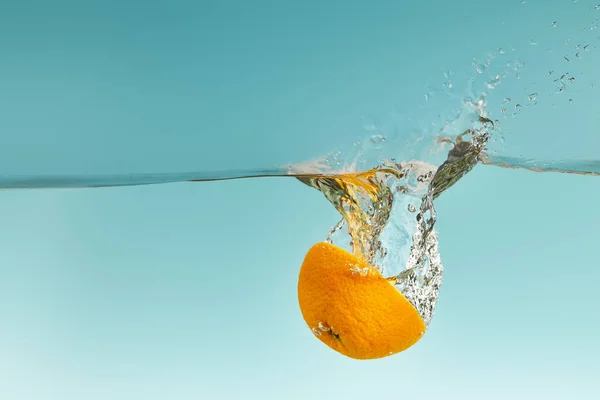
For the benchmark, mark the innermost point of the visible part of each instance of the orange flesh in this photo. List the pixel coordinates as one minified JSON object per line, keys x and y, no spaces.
{"x":351,"y":308}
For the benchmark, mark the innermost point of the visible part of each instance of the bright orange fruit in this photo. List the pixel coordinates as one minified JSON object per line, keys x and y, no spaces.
{"x":351,"y":308}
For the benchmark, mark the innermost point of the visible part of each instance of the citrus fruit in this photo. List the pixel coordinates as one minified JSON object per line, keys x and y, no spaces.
{"x":352,"y":308}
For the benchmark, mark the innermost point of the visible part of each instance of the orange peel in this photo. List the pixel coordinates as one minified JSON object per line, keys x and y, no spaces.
{"x":352,"y":308}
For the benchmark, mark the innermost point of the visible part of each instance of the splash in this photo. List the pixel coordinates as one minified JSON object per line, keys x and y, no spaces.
{"x":390,"y":215}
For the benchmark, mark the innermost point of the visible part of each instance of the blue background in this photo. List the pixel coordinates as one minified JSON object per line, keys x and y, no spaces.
{"x":188,"y":291}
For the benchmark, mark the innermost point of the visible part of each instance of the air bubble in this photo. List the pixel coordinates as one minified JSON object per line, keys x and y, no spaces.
{"x":377,"y":139}
{"x":361,"y":271}
{"x":324,"y":327}
{"x":518,"y":107}
{"x":553,"y":24}
{"x":532,"y":96}
{"x":570,"y":101}
{"x":316,"y":332}
{"x":533,"y":42}
{"x":412,"y":208}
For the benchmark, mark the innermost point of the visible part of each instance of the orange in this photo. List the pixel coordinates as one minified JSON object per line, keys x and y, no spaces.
{"x":352,"y":308}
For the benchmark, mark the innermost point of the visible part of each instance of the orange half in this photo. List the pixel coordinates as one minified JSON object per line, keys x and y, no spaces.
{"x":352,"y":308}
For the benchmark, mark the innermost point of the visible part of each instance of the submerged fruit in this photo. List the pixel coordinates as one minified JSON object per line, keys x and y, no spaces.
{"x":351,"y":308}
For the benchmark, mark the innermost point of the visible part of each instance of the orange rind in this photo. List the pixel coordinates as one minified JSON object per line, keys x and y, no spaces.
{"x":352,"y":308}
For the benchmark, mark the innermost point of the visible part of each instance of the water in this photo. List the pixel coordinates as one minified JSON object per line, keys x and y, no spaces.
{"x":575,"y":167}
{"x":388,"y":211}
{"x":386,"y":185}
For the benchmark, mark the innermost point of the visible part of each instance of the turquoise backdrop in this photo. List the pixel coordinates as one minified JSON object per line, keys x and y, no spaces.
{"x":188,"y":291}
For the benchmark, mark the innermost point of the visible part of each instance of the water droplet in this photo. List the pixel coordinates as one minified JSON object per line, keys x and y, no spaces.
{"x":566,"y":58}
{"x":533,"y":42}
{"x":570,"y":101}
{"x":377,"y":139}
{"x":577,"y":55}
{"x":518,"y":107}
{"x":316,"y":332}
{"x":506,"y":100}
{"x":504,"y":110}
{"x":572,"y":79}
{"x":553,"y":24}
{"x":586,"y":47}
{"x":412,"y":208}
{"x":532,"y":96}
{"x":500,"y":51}
{"x":550,"y":73}
{"x":493,"y":83}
